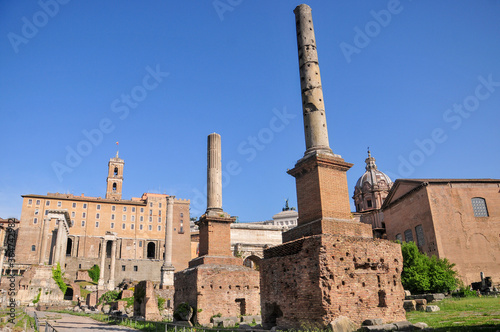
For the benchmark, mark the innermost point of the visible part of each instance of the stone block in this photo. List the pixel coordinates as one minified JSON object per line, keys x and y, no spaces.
{"x":407,"y":293}
{"x":374,"y":321}
{"x":244,"y":327}
{"x":404,"y":325}
{"x":106,"y":308}
{"x":251,"y":319}
{"x":432,"y":308}
{"x":379,"y":328}
{"x":127,"y":293}
{"x":420,"y":326}
{"x":343,"y":324}
{"x":409,"y":305}
{"x":228,"y":323}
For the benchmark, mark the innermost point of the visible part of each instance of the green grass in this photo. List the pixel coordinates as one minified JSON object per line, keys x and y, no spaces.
{"x":462,"y":314}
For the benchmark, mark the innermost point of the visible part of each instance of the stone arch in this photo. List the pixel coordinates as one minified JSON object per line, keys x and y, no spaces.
{"x":252,"y":261}
{"x":69,"y":293}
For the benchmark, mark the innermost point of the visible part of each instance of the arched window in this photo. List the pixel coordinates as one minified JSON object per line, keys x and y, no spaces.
{"x":69,"y":247}
{"x":116,"y":171}
{"x":479,"y":207}
{"x":114,"y":186}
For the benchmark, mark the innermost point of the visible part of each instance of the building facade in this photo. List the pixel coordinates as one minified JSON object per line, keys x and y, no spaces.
{"x":456,"y":219}
{"x":126,"y":237}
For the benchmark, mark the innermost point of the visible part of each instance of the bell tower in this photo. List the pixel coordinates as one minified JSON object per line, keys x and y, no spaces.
{"x":115,"y":178}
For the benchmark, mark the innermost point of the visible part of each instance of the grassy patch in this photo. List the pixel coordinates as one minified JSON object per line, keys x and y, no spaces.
{"x":462,"y":314}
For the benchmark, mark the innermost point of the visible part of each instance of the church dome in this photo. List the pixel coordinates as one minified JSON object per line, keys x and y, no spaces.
{"x":372,"y":187}
{"x":373,"y":177}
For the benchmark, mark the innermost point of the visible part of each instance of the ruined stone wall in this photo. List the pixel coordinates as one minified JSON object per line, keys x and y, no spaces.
{"x":230,"y":290}
{"x":331,"y":276}
{"x":342,"y":227}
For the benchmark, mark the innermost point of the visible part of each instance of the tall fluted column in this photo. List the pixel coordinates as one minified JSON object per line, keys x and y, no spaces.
{"x":214,"y":173}
{"x":111,"y":282}
{"x":44,"y":258}
{"x":64,"y":245}
{"x":313,"y":106}
{"x":100,"y":284}
{"x":57,"y":256}
{"x":167,"y":269}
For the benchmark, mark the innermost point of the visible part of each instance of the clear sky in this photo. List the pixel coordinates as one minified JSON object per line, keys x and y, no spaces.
{"x":417,"y":81}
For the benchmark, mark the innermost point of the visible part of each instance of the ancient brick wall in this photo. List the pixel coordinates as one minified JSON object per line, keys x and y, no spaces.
{"x":226,"y":289}
{"x":311,"y":281}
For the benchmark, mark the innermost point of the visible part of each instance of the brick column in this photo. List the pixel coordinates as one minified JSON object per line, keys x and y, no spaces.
{"x":100,"y":284}
{"x":167,"y":269}
{"x":111,"y":282}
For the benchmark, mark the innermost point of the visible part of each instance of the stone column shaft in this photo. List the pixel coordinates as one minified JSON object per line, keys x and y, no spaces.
{"x":214,"y":173}
{"x":168,"y":231}
{"x":100,"y":284}
{"x":2,"y":251}
{"x":111,"y":282}
{"x":44,"y":258}
{"x":57,"y":256}
{"x":313,"y":106}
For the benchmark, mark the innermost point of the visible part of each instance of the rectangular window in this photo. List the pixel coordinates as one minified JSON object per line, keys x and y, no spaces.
{"x":159,"y":205}
{"x":142,"y":210}
{"x":479,"y":207}
{"x":150,"y":227}
{"x":182,"y":215}
{"x":133,"y":209}
{"x":84,"y":215}
{"x":181,"y":230}
{"x":159,"y":219}
{"x":132,"y":226}
{"x":141,"y":218}
{"x":83,"y":223}
{"x":151,"y":204}
{"x":369,"y":203}
{"x":420,"y":235}
{"x":33,"y":248}
{"x":140,"y":227}
{"x":84,"y":205}
{"x":113,"y":208}
{"x":140,"y":244}
{"x":408,"y":235}
{"x":47,"y":203}
{"x":98,"y":206}
{"x":132,"y":218}
{"x":59,"y":204}
{"x":150,"y":212}
{"x":96,"y":224}
{"x":159,"y":212}
{"x":97,"y":215}
{"x":124,"y":217}
{"x":123,"y":226}
{"x":150,"y":219}
{"x":37,"y":202}
{"x":36,"y":212}
{"x":35,"y":220}
{"x":123,"y":267}
{"x":74,"y":205}
{"x":112,"y":225}
{"x":124,"y":209}
{"x":136,"y":268}
{"x":399,"y":237}
{"x":73,"y":214}
{"x":30,"y":201}
{"x":46,"y":212}
{"x":159,"y":228}
{"x":112,"y":217}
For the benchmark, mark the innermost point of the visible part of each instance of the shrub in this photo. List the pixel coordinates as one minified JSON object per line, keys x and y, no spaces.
{"x":35,"y":301}
{"x":109,"y":296}
{"x":161,"y":303}
{"x":57,"y":276}
{"x":94,"y":273}
{"x":422,"y":274}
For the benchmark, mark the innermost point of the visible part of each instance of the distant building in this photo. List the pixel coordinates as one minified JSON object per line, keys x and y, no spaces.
{"x":369,"y":194}
{"x":457,"y":219}
{"x":134,"y":230}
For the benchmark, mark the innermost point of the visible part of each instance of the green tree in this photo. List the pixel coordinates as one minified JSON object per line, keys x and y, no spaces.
{"x":94,"y":273}
{"x":422,"y":274}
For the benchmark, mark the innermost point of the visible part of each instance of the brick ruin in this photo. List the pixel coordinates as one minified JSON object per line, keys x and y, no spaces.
{"x":329,"y":265}
{"x":216,"y":282}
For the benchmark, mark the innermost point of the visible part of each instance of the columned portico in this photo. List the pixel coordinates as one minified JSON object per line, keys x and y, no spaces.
{"x":110,"y":236}
{"x":63,"y":223}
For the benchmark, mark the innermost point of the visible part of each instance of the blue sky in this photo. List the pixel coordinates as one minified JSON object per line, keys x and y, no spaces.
{"x":417,"y":81}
